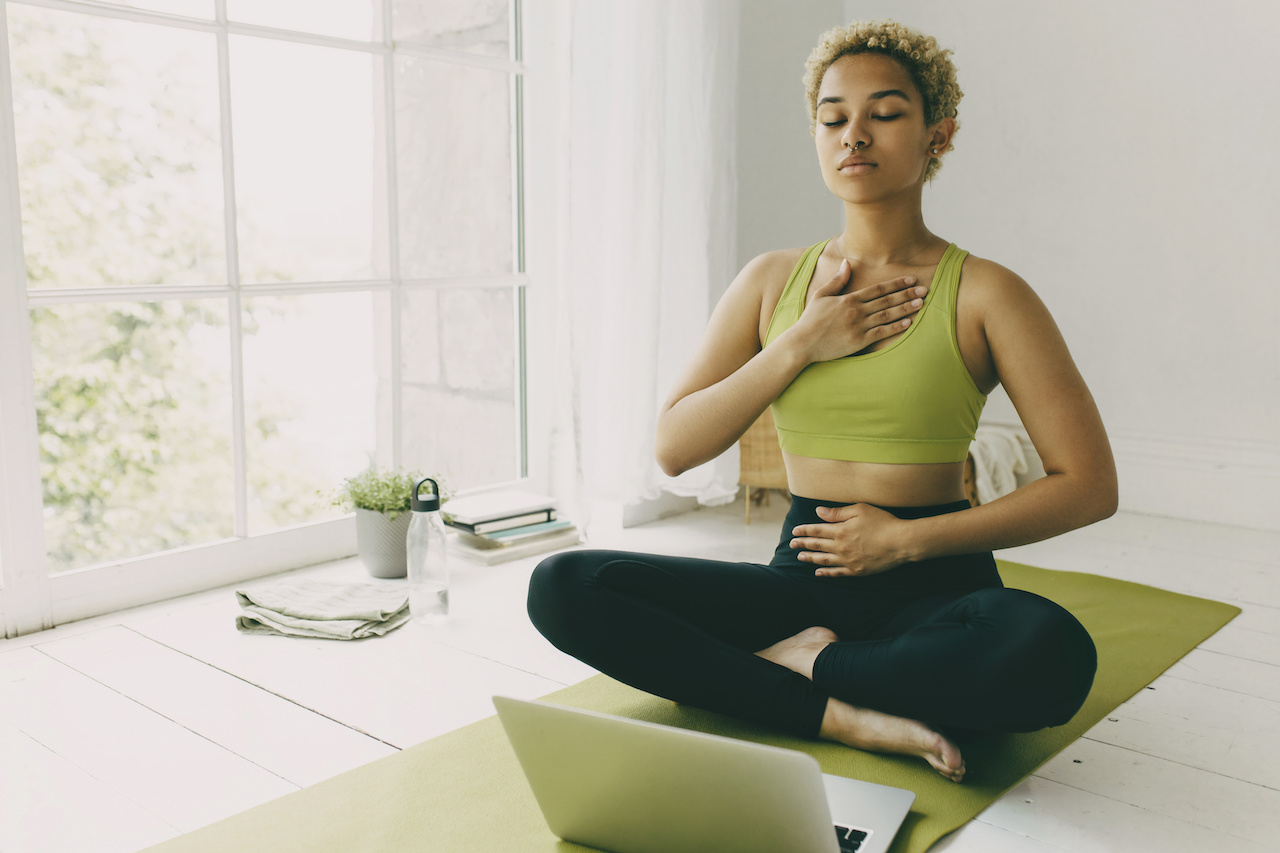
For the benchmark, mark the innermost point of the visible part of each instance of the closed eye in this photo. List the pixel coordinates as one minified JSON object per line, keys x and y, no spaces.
{"x":887,"y":118}
{"x":833,"y":123}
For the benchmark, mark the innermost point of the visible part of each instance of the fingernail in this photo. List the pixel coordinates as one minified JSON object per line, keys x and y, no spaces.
{"x":916,"y":303}
{"x":920,"y":291}
{"x":911,"y":279}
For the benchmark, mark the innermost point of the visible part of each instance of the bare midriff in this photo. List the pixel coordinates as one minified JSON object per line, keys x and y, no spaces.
{"x":875,"y":483}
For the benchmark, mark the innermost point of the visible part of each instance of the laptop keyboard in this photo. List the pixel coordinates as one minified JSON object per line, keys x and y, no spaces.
{"x":850,"y":839}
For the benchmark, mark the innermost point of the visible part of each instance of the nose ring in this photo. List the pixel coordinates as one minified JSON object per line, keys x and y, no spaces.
{"x":855,"y":146}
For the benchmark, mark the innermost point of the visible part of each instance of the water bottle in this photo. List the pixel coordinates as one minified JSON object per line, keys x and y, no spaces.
{"x":428,"y":557}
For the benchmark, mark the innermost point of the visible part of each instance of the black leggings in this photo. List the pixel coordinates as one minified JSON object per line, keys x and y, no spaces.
{"x":940,"y":641}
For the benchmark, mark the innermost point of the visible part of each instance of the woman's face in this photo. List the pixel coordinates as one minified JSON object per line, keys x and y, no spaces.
{"x":870,"y":98}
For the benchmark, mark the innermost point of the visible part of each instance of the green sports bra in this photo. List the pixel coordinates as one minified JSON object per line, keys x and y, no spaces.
{"x":911,"y":402}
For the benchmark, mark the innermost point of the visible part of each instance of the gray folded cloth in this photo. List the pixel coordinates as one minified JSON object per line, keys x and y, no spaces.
{"x":296,"y":607}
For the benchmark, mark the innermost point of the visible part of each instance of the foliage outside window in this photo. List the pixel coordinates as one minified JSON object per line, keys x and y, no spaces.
{"x":192,"y":387}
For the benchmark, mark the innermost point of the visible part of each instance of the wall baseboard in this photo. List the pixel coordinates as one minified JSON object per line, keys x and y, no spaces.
{"x":613,"y":515}
{"x":1220,"y":482}
{"x":1211,"y":480}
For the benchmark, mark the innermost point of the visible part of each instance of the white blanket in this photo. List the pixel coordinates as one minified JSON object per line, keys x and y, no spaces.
{"x":997,"y":460}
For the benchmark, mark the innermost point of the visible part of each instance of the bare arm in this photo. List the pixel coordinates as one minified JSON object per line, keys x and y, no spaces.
{"x":732,"y":379}
{"x":1033,"y":363}
{"x":1031,"y":360}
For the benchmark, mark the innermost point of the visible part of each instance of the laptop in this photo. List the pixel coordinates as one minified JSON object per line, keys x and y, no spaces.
{"x":629,"y":786}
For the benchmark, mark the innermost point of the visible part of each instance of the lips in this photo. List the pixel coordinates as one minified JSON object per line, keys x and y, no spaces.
{"x":854,"y":160}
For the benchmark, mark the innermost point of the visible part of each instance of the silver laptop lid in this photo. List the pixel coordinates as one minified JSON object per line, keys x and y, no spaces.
{"x":635,"y":787}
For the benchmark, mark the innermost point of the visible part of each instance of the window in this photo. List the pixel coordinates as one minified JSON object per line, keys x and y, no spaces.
{"x":264,"y":244}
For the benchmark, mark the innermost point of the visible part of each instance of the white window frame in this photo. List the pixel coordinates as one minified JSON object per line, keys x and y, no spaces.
{"x":30,"y":598}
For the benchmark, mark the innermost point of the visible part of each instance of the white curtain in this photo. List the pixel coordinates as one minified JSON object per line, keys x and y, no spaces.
{"x":646,"y":237}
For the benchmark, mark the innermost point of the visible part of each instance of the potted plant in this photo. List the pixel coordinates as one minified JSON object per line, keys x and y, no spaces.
{"x":381,"y":503}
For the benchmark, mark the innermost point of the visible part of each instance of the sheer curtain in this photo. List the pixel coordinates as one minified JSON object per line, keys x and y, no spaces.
{"x":647,"y":234}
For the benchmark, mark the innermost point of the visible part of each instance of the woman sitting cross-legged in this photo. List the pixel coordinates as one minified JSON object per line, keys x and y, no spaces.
{"x":881,"y":621}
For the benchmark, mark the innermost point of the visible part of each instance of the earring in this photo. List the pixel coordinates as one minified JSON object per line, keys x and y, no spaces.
{"x":935,"y":151}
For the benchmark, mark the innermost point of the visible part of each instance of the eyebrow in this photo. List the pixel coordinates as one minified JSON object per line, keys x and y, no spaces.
{"x":874,"y":96}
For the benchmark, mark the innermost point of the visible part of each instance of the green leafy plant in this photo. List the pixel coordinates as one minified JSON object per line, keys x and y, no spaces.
{"x":386,"y":492}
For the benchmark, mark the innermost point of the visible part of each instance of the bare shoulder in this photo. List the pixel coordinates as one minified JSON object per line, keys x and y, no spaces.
{"x":986,"y":279}
{"x":758,"y":287}
{"x":768,"y":273}
{"x":990,"y":292}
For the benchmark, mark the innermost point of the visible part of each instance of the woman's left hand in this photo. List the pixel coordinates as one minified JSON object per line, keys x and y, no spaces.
{"x":856,"y":540}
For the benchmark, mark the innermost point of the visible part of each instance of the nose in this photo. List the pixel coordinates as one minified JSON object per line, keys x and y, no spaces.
{"x":854,"y":137}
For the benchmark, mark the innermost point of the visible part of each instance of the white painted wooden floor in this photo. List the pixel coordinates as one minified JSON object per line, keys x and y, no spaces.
{"x":122,"y":731}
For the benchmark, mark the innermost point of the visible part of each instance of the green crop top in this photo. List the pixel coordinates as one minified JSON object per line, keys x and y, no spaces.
{"x":911,"y":402}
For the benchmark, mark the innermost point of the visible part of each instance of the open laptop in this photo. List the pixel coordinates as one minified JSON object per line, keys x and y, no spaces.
{"x":629,"y":786}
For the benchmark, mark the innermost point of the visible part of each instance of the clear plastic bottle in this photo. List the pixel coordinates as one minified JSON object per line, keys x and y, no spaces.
{"x":428,"y":557}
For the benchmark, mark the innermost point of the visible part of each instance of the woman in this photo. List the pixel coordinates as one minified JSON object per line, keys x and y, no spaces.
{"x":881,"y":621}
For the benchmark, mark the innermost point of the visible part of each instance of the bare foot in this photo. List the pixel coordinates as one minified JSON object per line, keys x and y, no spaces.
{"x":878,"y":732}
{"x":799,"y":652}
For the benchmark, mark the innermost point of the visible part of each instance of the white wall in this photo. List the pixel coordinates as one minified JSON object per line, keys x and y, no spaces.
{"x":1118,"y":155}
{"x":782,"y":201}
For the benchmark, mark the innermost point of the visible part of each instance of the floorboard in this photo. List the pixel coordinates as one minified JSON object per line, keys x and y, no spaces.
{"x":182,"y":778}
{"x":977,"y":836}
{"x":1223,"y":733}
{"x":1229,"y":672}
{"x":1215,"y":802}
{"x":1085,"y":822}
{"x":53,"y":806}
{"x":259,"y":726}
{"x":1253,"y":635}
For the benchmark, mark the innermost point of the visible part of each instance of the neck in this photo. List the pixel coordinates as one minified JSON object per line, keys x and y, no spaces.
{"x":885,"y":233}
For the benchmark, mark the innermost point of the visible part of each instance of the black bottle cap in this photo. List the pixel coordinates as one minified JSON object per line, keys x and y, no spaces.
{"x":431,"y":502}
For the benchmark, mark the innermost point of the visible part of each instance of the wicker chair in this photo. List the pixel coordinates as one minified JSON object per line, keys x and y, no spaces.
{"x":761,"y":468}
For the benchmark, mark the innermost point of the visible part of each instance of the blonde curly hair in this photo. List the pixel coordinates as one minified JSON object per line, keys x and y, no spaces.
{"x":930,"y":67}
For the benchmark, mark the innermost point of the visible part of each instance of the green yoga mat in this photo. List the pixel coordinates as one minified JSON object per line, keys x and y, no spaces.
{"x":464,"y":791}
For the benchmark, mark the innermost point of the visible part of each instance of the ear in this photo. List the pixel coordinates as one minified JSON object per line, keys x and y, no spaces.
{"x":940,"y":136}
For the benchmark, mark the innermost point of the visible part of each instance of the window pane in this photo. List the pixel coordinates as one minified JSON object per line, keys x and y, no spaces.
{"x":134,"y":420}
{"x":188,"y":8}
{"x":119,"y":161}
{"x":459,"y":393}
{"x":310,"y":402}
{"x":453,"y":157}
{"x":475,"y":26}
{"x":306,"y":166}
{"x":348,"y":19}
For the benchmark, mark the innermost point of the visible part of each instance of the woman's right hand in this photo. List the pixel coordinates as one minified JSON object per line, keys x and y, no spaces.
{"x":836,"y":324}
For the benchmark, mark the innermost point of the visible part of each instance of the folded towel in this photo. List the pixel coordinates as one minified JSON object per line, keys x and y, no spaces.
{"x":296,"y":607}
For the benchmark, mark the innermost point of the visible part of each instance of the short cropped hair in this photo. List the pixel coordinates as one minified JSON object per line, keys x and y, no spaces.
{"x":928,"y":65}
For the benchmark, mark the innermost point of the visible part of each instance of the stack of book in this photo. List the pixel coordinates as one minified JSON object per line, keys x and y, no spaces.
{"x":499,"y":526}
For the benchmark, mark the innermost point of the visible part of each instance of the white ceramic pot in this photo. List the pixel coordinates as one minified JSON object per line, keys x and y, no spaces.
{"x":381,"y":543}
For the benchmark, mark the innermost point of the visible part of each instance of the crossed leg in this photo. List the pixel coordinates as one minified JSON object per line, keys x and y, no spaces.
{"x":688,"y":630}
{"x":865,"y":728}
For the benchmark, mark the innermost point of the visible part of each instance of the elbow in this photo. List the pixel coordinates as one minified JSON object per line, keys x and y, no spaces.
{"x":668,"y":451}
{"x":1104,"y":498}
{"x":1091,"y":497}
{"x":667,"y":459}
{"x":1109,"y":500}
{"x":670,"y":469}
